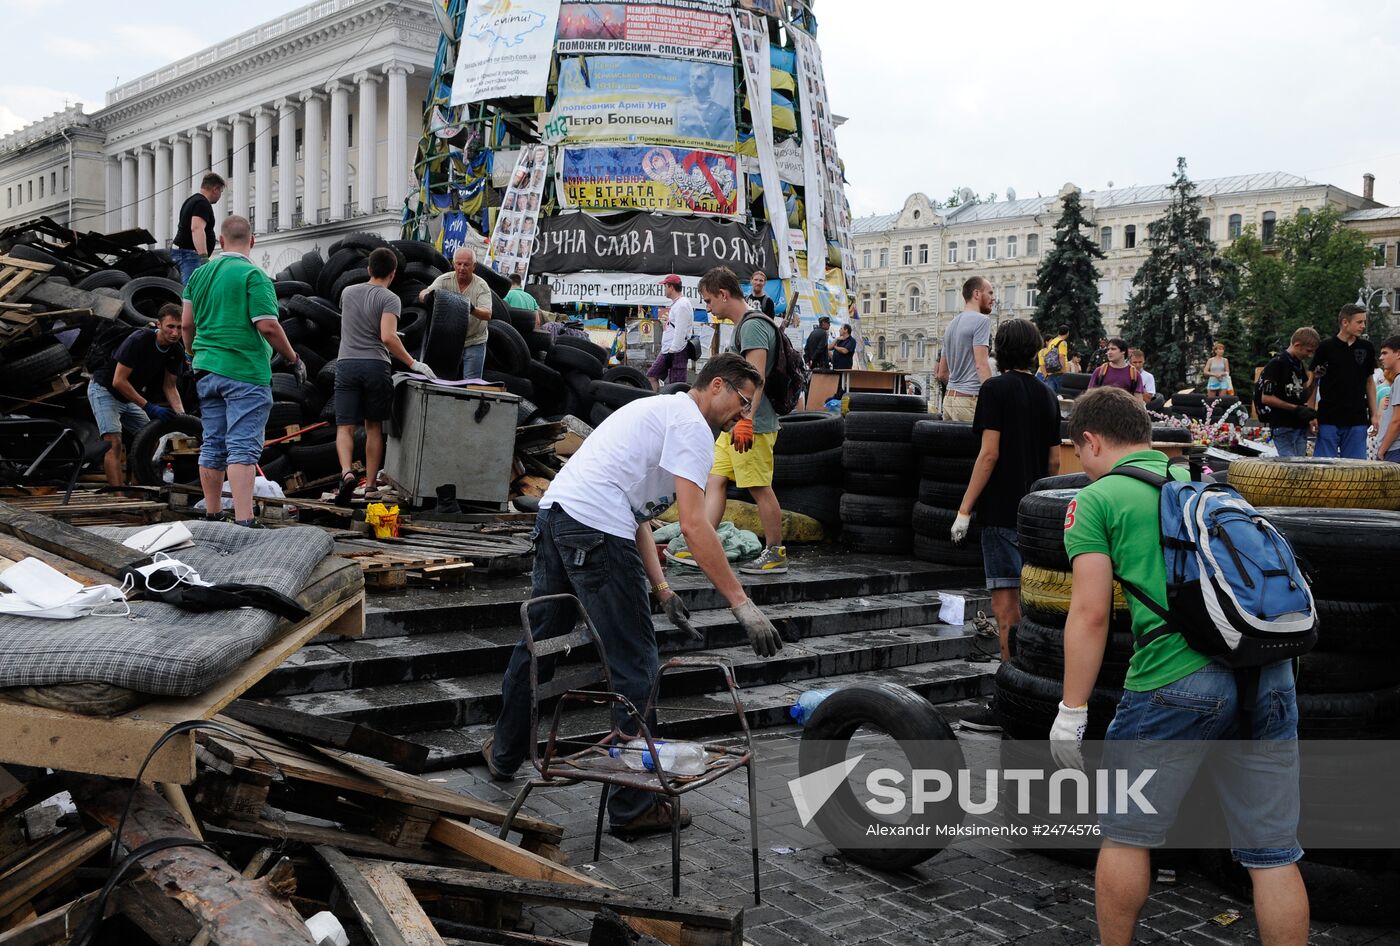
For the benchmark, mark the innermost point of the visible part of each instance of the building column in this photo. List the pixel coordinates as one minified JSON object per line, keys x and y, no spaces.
{"x":145,"y":172}
{"x":179,"y":177}
{"x":241,"y":186}
{"x":396,"y":141}
{"x":286,"y":162}
{"x":340,"y":150}
{"x":128,"y":204}
{"x":367,"y":150}
{"x":161,"y":197}
{"x":218,"y":148}
{"x":313,"y":155}
{"x":199,"y":158}
{"x":113,"y":223}
{"x":262,"y":173}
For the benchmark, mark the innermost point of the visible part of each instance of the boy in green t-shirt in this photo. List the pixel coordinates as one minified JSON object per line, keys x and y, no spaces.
{"x":1113,"y":528}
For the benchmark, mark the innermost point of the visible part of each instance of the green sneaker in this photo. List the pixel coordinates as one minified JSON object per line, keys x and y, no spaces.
{"x":773,"y":561}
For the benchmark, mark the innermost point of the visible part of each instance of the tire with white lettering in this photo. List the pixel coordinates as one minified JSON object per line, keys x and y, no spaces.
{"x":927,"y":740}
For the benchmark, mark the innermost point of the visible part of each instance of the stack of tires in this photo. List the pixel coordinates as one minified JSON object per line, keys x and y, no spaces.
{"x":807,"y":467}
{"x":945,"y":451}
{"x":880,"y":472}
{"x":1073,"y":384}
{"x":1196,"y":406}
{"x":571,"y":376}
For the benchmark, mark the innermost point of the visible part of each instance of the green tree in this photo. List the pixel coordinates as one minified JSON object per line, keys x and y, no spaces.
{"x":1067,"y":284}
{"x":1180,"y":291}
{"x":964,"y":195}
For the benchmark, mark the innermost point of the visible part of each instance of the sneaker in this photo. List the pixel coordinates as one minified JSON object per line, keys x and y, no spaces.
{"x":983,"y":720}
{"x":683,"y":557}
{"x":655,"y":819}
{"x":773,"y":561}
{"x":249,"y":523}
{"x":497,"y":775}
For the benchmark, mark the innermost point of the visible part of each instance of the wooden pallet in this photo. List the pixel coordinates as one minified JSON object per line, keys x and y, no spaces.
{"x":388,"y":567}
{"x":17,"y":276}
{"x":86,"y":508}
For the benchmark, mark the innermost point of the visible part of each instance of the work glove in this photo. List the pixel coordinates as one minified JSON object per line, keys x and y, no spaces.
{"x":742,"y":436}
{"x":762,"y":634}
{"x":419,"y":367}
{"x":680,"y":616}
{"x":157,"y":411}
{"x":299,"y":370}
{"x":1067,"y":736}
{"x":1306,"y":414}
{"x":960,"y":526}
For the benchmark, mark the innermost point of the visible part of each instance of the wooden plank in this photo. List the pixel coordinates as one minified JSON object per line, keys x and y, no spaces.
{"x":11,"y":790}
{"x":56,"y":926}
{"x":311,"y":834}
{"x":66,"y":297}
{"x":379,"y":925}
{"x":61,"y":861}
{"x":392,"y":891}
{"x":70,"y":542}
{"x":352,"y":737}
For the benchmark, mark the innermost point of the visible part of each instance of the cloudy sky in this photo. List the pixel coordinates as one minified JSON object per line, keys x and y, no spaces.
{"x":985,"y":95}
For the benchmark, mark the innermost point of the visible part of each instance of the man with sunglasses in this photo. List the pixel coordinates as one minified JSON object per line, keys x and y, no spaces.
{"x":593,"y":541}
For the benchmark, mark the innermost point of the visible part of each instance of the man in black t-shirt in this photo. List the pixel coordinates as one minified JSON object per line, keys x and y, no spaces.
{"x":1018,"y":422}
{"x":1281,"y":397}
{"x":817,"y":350}
{"x":148,"y":362}
{"x":194,"y":237}
{"x":760,"y":300}
{"x":1345,"y":369}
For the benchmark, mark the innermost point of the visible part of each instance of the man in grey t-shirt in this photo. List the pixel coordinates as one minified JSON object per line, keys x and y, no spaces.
{"x":364,"y":388}
{"x":964,"y":364}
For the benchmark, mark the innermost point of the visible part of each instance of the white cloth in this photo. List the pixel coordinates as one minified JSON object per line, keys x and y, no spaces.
{"x":625,"y":472}
{"x":1149,"y":383}
{"x":42,"y":591}
{"x":678,"y":323}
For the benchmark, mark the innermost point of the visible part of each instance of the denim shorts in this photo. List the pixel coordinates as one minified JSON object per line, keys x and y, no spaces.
{"x":235,"y":415}
{"x":364,"y":390}
{"x":114,"y":416}
{"x":1001,"y":557}
{"x":1167,"y":729}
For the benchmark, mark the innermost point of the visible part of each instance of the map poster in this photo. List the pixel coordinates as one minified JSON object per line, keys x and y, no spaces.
{"x":680,"y":29}
{"x":675,"y":180}
{"x":621,"y":99}
{"x":505,"y":49}
{"x":513,"y":238}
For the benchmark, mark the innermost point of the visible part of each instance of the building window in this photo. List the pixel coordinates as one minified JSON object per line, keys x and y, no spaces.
{"x":1205,"y":228}
{"x":30,"y":182}
{"x":880,"y":347}
{"x":923,"y":252}
{"x":1379,"y":249}
{"x":991,"y":247}
{"x":865,"y":259}
{"x":914,"y":296}
{"x":1007,"y":297}
{"x":1105,"y":238}
{"x":884,"y":257}
{"x":1105,"y":290}
{"x":920,"y":347}
{"x":1030,"y":296}
{"x":908,"y":255}
{"x":916,"y":215}
{"x":1236,"y":225}
{"x":65,"y":179}
{"x":1266,"y":232}
{"x":349,"y":131}
{"x":865,"y":305}
{"x":904,"y":348}
{"x":41,"y":187}
{"x":276,"y":150}
{"x":9,"y":197}
{"x":972,"y":251}
{"x":884,"y":304}
{"x":953,"y":252}
{"x":1032,"y":244}
{"x":1011,"y":247}
{"x":300,"y":142}
{"x":1129,"y":237}
{"x":53,"y":183}
{"x":950,"y":300}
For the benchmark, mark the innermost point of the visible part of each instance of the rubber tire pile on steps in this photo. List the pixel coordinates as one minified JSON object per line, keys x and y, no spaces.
{"x":807,"y":466}
{"x":880,"y":472}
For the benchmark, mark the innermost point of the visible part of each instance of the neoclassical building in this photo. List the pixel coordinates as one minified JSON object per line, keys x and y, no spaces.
{"x":912,"y":264}
{"x":312,"y":118}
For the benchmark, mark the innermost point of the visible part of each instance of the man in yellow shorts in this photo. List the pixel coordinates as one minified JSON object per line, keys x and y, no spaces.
{"x":745,"y":455}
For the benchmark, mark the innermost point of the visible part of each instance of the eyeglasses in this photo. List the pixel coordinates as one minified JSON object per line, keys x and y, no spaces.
{"x":746,"y":402}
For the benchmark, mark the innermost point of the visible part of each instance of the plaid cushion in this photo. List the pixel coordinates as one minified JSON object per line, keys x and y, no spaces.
{"x":161,"y":649}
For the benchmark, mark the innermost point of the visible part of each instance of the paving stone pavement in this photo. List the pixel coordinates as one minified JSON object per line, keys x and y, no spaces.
{"x":970,"y":894}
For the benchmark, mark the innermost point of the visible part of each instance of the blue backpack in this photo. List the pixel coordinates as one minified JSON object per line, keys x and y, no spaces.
{"x":1235,"y":590}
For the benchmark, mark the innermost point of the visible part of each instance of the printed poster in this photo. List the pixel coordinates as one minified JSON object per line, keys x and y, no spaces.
{"x":675,"y":180}
{"x":656,"y":244}
{"x":678,"y":29}
{"x":755,"y":55}
{"x":808,"y":74}
{"x":619,"y":289}
{"x":505,"y":49}
{"x":619,"y":99}
{"x":834,"y":212}
{"x":513,"y":238}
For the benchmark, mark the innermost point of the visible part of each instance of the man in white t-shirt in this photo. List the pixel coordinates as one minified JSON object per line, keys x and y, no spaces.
{"x":1137,"y":359}
{"x":670,"y":365}
{"x":593,"y":541}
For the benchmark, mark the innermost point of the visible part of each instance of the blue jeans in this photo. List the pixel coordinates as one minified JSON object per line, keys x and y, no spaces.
{"x":1291,"y":441}
{"x":1052,"y":381}
{"x":1393,"y":456}
{"x":1259,"y":789}
{"x":1001,"y":558}
{"x":1349,"y":443}
{"x":187,"y":260}
{"x":235,"y":421}
{"x":473,"y":362}
{"x":605,"y":573}
{"x":113,"y":415}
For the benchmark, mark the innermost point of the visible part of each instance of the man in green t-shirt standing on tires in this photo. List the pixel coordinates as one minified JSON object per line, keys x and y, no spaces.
{"x":230,"y":324}
{"x":1172,"y":692}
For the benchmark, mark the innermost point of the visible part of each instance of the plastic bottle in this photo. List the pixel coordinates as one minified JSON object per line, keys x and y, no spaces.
{"x":168,"y":476}
{"x":677,"y":758}
{"x":807,"y":704}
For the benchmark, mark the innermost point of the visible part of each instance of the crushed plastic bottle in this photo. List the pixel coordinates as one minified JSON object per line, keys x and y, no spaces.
{"x":807,"y":704}
{"x":677,"y":758}
{"x":168,"y":476}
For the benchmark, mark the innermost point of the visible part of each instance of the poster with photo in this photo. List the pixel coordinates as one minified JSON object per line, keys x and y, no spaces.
{"x":622,"y":99}
{"x":756,"y":59}
{"x":674,"y":180}
{"x":829,"y":216}
{"x":517,"y":220}
{"x":677,"y":29}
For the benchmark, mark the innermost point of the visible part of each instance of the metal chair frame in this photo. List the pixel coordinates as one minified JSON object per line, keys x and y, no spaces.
{"x":32,"y":471}
{"x":590,"y":761}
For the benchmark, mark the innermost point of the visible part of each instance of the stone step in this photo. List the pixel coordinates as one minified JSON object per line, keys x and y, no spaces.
{"x":341,"y":664}
{"x":463,"y":700}
{"x":956,"y":686}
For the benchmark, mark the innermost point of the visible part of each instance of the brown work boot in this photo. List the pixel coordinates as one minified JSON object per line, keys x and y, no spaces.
{"x":496,"y":774}
{"x":654,"y":819}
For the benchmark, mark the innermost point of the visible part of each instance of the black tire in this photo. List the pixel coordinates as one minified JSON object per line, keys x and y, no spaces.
{"x":286,"y":388}
{"x":446,"y":335}
{"x":861,"y":510}
{"x":320,"y":311}
{"x":417,"y":251}
{"x":577,"y":382}
{"x":286,"y":288}
{"x":821,"y":502}
{"x":1164,"y":434}
{"x":1358,"y":627}
{"x":103,"y":279}
{"x":550,"y":389}
{"x":880,"y":484}
{"x":313,"y":359}
{"x":860,"y":455}
{"x":807,"y":469}
{"x":599,"y":413}
{"x":942,"y":551}
{"x":879,"y":540}
{"x":1040,"y":649}
{"x":680,"y":387}
{"x":946,"y":469}
{"x":541,"y":343}
{"x":807,"y":432}
{"x":923,"y":733}
{"x":520,"y":387}
{"x":1374,"y":714}
{"x":1361,"y":895}
{"x":882,"y":426}
{"x":1027,"y":703}
{"x":936,"y":522}
{"x":598,"y":352}
{"x":505,"y":348}
{"x":626,"y":374}
{"x":416,"y":274}
{"x":940,"y":494}
{"x":338,"y":263}
{"x":278,"y":469}
{"x":413,"y":322}
{"x":314,"y":460}
{"x":298,"y":330}
{"x":910,"y":403}
{"x":363,"y":240}
{"x":143,"y":297}
{"x":1074,"y":381}
{"x":1061,"y":481}
{"x":1321,"y":671}
{"x":282,"y":415}
{"x":1040,"y":527}
{"x":312,"y":263}
{"x":524,"y":320}
{"x":146,"y":469}
{"x":499,"y":284}
{"x":325,"y":378}
{"x":31,"y":362}
{"x":616,"y":395}
{"x":946,"y":438}
{"x":567,"y":358}
{"x":351,"y":277}
{"x":1327,"y":540}
{"x":36,"y":254}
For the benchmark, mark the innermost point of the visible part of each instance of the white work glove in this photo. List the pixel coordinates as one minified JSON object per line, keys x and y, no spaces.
{"x":419,"y":367}
{"x":960,"y":527}
{"x":299,"y":370}
{"x":1067,"y":736}
{"x":762,"y":634}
